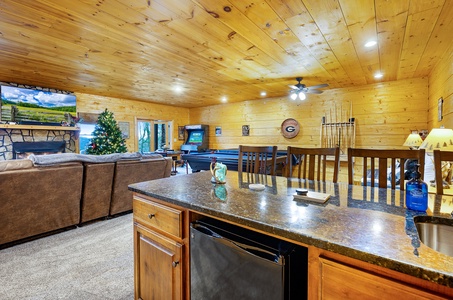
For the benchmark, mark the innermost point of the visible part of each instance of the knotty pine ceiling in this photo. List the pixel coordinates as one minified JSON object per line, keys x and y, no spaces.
{"x":208,"y":49}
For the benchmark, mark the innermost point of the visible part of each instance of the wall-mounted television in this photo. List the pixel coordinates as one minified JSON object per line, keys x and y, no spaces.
{"x":36,"y":106}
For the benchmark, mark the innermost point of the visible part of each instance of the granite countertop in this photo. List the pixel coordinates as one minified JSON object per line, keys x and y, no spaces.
{"x":369,"y":224}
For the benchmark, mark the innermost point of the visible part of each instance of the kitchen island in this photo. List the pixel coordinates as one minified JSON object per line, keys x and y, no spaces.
{"x":362,"y":242}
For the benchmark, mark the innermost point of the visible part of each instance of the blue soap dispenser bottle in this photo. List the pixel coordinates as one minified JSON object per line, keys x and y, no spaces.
{"x":417,"y":192}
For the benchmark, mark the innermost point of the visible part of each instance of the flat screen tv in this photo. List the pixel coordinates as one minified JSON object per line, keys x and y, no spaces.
{"x":33,"y":106}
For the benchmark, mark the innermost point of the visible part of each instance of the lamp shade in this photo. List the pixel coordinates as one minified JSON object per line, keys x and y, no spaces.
{"x":438,"y":139}
{"x":302,"y":96}
{"x":413,"y":140}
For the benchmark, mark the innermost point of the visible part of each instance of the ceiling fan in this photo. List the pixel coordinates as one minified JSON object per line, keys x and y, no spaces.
{"x":300,"y":89}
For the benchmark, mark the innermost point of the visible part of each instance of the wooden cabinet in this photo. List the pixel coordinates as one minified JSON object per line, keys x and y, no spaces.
{"x":161,"y":263}
{"x":339,"y":281}
{"x":160,"y":266}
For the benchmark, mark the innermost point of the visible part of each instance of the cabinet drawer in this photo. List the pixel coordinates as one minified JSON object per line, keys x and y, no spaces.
{"x":158,"y":216}
{"x":340,"y":281}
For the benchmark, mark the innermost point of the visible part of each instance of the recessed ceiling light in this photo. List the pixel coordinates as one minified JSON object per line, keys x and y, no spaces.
{"x":378,"y":75}
{"x":224,"y":99}
{"x":370,"y":44}
{"x":178,"y":89}
{"x":263,"y":94}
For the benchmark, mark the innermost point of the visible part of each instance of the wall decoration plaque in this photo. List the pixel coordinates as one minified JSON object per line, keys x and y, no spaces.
{"x":290,"y":128}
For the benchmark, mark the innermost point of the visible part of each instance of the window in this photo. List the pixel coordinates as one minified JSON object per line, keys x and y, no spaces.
{"x":153,"y":135}
{"x":86,"y":131}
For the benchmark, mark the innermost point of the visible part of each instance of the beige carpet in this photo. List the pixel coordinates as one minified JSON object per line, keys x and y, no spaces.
{"x":92,"y":262}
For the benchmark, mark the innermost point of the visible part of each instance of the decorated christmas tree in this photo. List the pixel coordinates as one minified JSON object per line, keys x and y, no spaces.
{"x":107,"y":136}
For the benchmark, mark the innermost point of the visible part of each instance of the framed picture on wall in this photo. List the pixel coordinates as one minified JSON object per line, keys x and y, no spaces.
{"x":180,"y":132}
{"x":245,"y":130}
{"x":440,"y":104}
{"x":124,"y":127}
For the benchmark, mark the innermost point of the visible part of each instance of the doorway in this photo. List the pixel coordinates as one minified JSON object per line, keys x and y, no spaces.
{"x":153,"y":135}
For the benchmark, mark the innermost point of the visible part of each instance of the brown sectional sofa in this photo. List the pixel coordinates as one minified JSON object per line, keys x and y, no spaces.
{"x":127,"y":172}
{"x":39,"y":200}
{"x":97,"y":191}
{"x":36,"y":199}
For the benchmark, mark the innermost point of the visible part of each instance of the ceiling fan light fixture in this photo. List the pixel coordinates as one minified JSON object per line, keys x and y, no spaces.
{"x":302,"y":96}
{"x":293,"y":96}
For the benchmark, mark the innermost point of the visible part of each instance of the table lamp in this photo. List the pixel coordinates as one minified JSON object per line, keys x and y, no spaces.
{"x":438,"y":139}
{"x":413,"y":141}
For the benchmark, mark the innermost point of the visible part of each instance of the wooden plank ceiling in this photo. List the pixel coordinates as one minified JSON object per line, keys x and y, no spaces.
{"x":191,"y":53}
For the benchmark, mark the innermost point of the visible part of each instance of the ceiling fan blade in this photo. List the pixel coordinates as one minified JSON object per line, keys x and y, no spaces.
{"x":314,"y":92}
{"x":293,"y":87}
{"x":318,"y":86}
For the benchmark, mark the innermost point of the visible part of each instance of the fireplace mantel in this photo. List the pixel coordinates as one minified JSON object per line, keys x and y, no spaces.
{"x":39,"y":127}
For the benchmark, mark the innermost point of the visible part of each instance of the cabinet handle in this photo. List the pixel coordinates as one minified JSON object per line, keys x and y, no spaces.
{"x":175,"y":264}
{"x":151,"y":216}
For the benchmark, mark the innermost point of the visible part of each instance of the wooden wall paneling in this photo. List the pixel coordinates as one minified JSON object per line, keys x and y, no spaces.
{"x":362,"y":27}
{"x":391,"y":17}
{"x":266,"y":18}
{"x":329,"y":17}
{"x":419,"y":27}
{"x":219,"y":50}
{"x":244,"y":26}
{"x":436,"y":46}
{"x":140,"y":50}
{"x":385,"y":113}
{"x":126,"y":110}
{"x":301,"y":23}
{"x":441,"y":85}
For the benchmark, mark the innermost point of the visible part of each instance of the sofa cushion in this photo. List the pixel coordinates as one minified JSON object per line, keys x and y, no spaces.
{"x":152,"y":156}
{"x":15,"y":164}
{"x":128,"y":172}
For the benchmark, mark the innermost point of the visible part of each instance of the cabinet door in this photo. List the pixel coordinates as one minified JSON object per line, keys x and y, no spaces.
{"x":157,"y":266}
{"x":339,"y":281}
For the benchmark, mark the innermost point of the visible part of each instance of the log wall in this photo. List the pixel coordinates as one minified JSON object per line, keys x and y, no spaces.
{"x":129,"y":110}
{"x":385,"y":114}
{"x":441,"y":85}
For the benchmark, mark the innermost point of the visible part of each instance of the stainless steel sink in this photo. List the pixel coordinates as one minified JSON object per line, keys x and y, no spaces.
{"x":436,"y":235}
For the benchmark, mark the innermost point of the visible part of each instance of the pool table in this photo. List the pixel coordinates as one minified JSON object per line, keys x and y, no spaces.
{"x":229,"y":157}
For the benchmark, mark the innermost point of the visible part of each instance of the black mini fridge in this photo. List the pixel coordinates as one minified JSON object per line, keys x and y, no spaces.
{"x":229,"y":262}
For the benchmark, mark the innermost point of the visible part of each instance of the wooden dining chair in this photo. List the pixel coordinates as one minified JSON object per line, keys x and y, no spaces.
{"x":308,"y":162}
{"x":257,"y":159}
{"x":389,"y":162}
{"x":442,"y":169}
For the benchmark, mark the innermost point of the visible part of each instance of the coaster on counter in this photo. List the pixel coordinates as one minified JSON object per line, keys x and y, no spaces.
{"x":313,"y":197}
{"x":257,"y":186}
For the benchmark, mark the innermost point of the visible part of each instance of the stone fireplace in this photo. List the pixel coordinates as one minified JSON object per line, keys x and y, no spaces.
{"x":35,"y":140}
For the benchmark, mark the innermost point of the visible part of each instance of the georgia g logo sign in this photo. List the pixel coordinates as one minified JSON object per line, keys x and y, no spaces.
{"x":290,"y":128}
